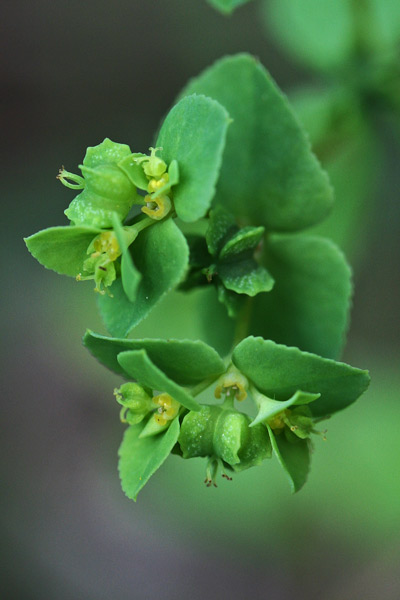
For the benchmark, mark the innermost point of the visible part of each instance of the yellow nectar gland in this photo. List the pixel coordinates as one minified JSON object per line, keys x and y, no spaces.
{"x":157,"y":208}
{"x":167,"y":408}
{"x":233,"y":382}
{"x":107,"y":243}
{"x":156,"y":184}
{"x":278,"y":421}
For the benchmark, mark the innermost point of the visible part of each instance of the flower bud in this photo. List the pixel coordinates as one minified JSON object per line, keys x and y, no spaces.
{"x":135,"y":401}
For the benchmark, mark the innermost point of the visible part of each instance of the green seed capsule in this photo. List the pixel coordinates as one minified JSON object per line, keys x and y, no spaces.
{"x":107,"y":189}
{"x":221,"y":432}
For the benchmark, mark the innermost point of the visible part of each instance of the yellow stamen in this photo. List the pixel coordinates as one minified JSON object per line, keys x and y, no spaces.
{"x":107,"y":243}
{"x":232,"y":381}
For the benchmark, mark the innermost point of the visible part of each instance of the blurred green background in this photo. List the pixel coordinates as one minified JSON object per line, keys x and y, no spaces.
{"x":72,"y":74}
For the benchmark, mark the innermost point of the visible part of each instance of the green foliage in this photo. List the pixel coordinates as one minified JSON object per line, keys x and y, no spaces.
{"x":186,"y":361}
{"x":310,"y":302}
{"x":280,"y":371}
{"x":161,"y":255}
{"x":218,"y":204}
{"x":62,"y":249}
{"x":139,"y":458}
{"x":138,"y":365}
{"x":318,"y":33}
{"x":269,"y":176}
{"x":194,"y":124}
{"x":294,"y":458}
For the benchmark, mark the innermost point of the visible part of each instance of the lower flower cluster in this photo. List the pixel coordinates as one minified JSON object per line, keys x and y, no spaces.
{"x":290,"y":392}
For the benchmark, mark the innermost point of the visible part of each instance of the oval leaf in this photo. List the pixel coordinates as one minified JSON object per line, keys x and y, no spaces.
{"x":62,"y":249}
{"x":310,"y":302}
{"x":161,"y":254}
{"x":193,"y":134}
{"x":279,"y":371}
{"x":269,"y":174}
{"x":185,"y":361}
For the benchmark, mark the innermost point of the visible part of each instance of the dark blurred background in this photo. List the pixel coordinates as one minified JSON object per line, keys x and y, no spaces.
{"x":73,"y":73}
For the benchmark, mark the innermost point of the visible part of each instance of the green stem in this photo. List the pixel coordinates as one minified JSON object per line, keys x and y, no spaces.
{"x":141,"y":224}
{"x":243,"y":322}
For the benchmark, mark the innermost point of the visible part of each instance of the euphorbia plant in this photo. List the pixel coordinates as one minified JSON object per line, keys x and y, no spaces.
{"x":230,"y":158}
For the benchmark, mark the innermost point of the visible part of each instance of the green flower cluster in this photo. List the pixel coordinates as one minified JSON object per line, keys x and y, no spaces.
{"x":220,"y":201}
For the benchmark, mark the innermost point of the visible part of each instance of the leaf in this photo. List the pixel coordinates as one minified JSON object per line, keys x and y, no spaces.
{"x":62,"y":249}
{"x":193,"y":134}
{"x":130,"y":276}
{"x":139,"y":459}
{"x":293,"y":457}
{"x":279,"y":371}
{"x":234,"y":303}
{"x":269,"y":175}
{"x":137,"y":364}
{"x":221,"y":226}
{"x":268,"y":408}
{"x":161,"y":254}
{"x":310,"y":302}
{"x":245,"y":277}
{"x":243,"y":241}
{"x":227,"y":6}
{"x":319,"y":34}
{"x":185,"y":361}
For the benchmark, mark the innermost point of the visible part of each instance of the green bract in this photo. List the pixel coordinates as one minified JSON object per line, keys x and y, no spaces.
{"x":280,"y":371}
{"x":221,"y":200}
{"x":106,"y":187}
{"x":226,"y":257}
{"x":192,"y":138}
